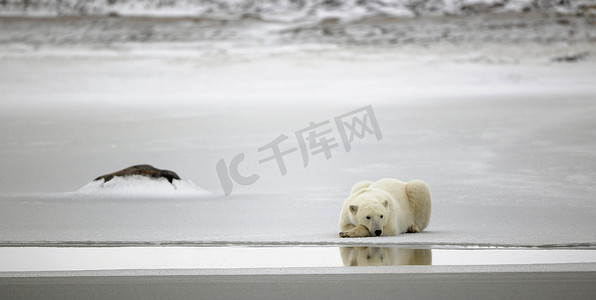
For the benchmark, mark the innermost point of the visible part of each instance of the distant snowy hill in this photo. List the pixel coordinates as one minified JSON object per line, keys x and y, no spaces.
{"x":287,"y":10}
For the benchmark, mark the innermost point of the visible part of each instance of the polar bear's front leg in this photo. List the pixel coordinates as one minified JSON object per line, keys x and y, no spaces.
{"x":358,"y":231}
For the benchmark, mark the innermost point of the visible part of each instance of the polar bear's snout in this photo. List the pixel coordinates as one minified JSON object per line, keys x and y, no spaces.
{"x":378,"y":232}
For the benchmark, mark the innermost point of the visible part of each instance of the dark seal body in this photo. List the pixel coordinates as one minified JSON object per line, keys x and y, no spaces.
{"x":143,"y":170}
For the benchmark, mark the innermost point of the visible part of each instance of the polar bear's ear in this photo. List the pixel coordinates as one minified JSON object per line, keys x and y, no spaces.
{"x":353,"y":209}
{"x":386,"y":203}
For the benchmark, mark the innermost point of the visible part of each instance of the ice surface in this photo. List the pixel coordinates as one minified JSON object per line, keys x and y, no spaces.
{"x":41,"y":259}
{"x":503,"y":134}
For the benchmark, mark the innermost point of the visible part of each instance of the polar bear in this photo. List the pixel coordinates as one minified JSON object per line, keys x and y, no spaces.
{"x":385,"y":207}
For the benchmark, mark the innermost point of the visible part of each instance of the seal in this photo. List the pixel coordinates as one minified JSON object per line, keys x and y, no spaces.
{"x":143,"y":170}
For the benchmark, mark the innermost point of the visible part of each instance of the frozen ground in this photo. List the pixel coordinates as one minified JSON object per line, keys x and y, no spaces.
{"x":501,"y":127}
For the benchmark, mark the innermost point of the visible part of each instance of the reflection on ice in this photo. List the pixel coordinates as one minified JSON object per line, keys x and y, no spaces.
{"x":384,"y":256}
{"x":27,"y":259}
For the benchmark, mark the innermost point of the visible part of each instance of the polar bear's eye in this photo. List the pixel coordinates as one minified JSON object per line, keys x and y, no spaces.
{"x":368,"y":217}
{"x":381,"y":216}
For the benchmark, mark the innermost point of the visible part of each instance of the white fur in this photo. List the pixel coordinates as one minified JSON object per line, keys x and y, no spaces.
{"x":405,"y":206}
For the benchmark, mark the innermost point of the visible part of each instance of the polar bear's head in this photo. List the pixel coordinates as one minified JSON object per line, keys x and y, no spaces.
{"x":367,"y":256}
{"x":371,"y":210}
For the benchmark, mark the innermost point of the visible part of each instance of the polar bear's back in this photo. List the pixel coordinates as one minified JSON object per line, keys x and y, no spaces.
{"x":360,"y":185}
{"x":417,"y":194}
{"x":396,"y":188}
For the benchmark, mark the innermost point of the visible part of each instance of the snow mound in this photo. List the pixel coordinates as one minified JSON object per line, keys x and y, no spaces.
{"x":137,"y":186}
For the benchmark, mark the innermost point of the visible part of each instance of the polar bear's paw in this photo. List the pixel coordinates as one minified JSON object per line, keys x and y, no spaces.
{"x":358,"y":231}
{"x":413,"y":229}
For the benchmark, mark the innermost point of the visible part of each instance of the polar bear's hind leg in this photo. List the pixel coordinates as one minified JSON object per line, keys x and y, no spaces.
{"x":419,"y":198}
{"x":413,"y":229}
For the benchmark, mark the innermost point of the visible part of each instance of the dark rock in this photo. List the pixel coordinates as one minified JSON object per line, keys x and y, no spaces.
{"x":571,"y":57}
{"x":143,"y":170}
